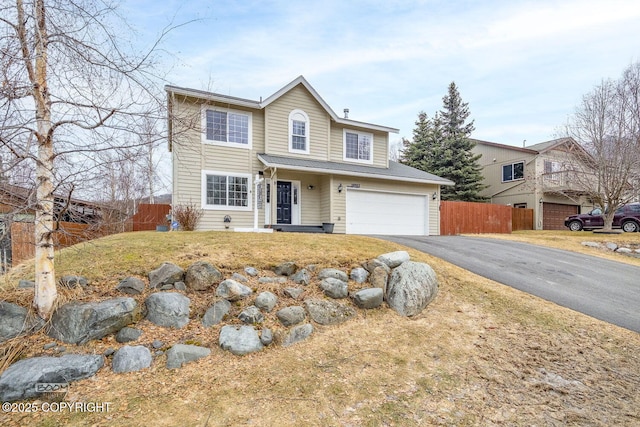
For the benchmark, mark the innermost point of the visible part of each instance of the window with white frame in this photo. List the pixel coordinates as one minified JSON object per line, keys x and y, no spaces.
{"x":227,"y":127}
{"x":513,"y":172}
{"x":226,"y":191}
{"x":298,"y":132}
{"x":358,"y":146}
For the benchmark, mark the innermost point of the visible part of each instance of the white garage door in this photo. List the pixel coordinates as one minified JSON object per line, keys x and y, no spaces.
{"x":371,"y":212}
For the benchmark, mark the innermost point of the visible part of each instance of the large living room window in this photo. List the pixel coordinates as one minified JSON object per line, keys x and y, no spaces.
{"x":227,"y":127}
{"x":513,"y":172}
{"x":226,"y":191}
{"x":358,"y":146}
{"x":298,"y":132}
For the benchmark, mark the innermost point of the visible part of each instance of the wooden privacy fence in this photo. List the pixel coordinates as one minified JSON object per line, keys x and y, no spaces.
{"x":475,"y":218}
{"x":149,"y":216}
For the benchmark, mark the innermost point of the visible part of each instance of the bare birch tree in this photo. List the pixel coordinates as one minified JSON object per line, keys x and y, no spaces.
{"x":607,"y":125}
{"x":71,"y":87}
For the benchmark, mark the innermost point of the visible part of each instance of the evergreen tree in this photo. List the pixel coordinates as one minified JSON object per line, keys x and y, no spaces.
{"x":442,"y":146}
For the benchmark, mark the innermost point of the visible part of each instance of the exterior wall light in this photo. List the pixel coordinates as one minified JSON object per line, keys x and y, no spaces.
{"x":227,"y":221}
{"x":310,"y":187}
{"x":435,"y":196}
{"x":340,"y":188}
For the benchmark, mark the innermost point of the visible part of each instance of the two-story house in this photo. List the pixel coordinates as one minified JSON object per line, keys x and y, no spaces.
{"x":548,"y":177}
{"x":289,"y":162}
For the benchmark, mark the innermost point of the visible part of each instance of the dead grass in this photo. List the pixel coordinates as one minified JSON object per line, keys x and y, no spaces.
{"x":481,"y":354}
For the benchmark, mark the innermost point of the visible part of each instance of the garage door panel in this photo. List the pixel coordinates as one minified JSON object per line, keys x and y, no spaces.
{"x":553,"y":215}
{"x":370,"y":212}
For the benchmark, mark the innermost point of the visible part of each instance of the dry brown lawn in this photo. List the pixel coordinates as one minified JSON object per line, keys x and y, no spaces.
{"x":480,"y":354}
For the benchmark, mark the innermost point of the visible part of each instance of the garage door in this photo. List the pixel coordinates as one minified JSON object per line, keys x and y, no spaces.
{"x":553,"y":215}
{"x":371,"y":212}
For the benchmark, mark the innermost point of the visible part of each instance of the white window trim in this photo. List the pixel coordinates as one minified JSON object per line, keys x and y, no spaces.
{"x":344,"y":147}
{"x":512,"y":164}
{"x":307,"y":132}
{"x":203,"y":190}
{"x":203,"y":115}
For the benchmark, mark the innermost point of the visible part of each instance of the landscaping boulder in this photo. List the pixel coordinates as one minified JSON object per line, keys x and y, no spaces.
{"x":232,"y":290}
{"x":251,"y":271}
{"x":251,"y":315}
{"x":201,"y":276}
{"x":16,"y":320}
{"x":169,"y":309}
{"x":368,"y":298}
{"x":180,"y":354}
{"x":26,"y":284}
{"x":334,"y":288}
{"x":412,"y":286}
{"x":297,"y":334}
{"x":359,"y":275}
{"x":73,"y":281}
{"x":286,"y":269}
{"x":266,"y":337}
{"x":327,"y":312}
{"x":167,"y":274}
{"x":264,"y":280}
{"x":302,"y":277}
{"x":372,"y":264}
{"x":131,"y":358}
{"x":293,"y":292}
{"x":394,"y":259}
{"x":77,"y":323}
{"x":332,"y":273}
{"x":128,"y":334}
{"x":19,"y":380}
{"x":131,"y":286}
{"x":379,"y":277}
{"x":239,"y":278}
{"x":216,"y":313}
{"x":293,"y":315}
{"x":240,"y":340}
{"x":266,"y":301}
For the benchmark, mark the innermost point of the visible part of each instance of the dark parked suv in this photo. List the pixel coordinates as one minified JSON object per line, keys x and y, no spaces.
{"x":627,"y":217}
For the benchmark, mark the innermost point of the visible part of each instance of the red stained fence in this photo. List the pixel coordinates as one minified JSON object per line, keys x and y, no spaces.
{"x":149,"y":216}
{"x":476,"y":218}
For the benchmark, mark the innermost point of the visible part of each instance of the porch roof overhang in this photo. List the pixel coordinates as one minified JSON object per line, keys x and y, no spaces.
{"x":395,"y":172}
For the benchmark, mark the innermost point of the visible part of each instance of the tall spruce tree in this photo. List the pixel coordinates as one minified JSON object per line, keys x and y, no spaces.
{"x":442,"y":146}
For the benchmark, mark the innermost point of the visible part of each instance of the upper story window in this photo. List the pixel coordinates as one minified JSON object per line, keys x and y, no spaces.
{"x":358,"y":146}
{"x":513,"y":172}
{"x":227,"y":127}
{"x":298,"y":132}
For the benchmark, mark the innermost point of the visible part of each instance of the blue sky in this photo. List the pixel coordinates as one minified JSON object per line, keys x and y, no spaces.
{"x":522,"y":66}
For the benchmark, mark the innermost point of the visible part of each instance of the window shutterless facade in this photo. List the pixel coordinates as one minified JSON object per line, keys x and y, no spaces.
{"x":226,"y":127}
{"x":299,"y":132}
{"x":358,"y":147}
{"x":513,"y":172}
{"x":226,"y":191}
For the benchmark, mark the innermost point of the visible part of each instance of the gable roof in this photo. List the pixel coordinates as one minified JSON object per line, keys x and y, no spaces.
{"x":395,"y":172}
{"x":300,"y":80}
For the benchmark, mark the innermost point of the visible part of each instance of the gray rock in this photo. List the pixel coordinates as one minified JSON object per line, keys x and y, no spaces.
{"x":327,"y":312}
{"x":240,"y":340}
{"x":239,"y":278}
{"x":16,"y":320}
{"x":286,"y":269}
{"x":290,"y":316}
{"x":293,"y":292}
{"x":380,"y":277}
{"x":201,"y":276}
{"x":77,"y":323}
{"x":131,"y":286}
{"x":302,"y":277}
{"x":232,"y":290}
{"x":368,"y":298}
{"x":591,"y":244}
{"x":266,"y":301}
{"x":251,"y":271}
{"x":359,"y":275}
{"x":131,"y":358}
{"x":372,"y":264}
{"x":297,"y":334}
{"x":167,"y":274}
{"x":169,"y":309}
{"x":215,"y":314}
{"x":332,"y":273}
{"x":128,"y":334}
{"x":268,"y":280}
{"x":19,"y":380}
{"x":412,"y":286}
{"x":180,"y":286}
{"x":109,"y":352}
{"x":166,"y":287}
{"x":251,"y":315}
{"x":624,"y":250}
{"x":180,"y":354}
{"x":26,"y":284}
{"x":157,"y":344}
{"x":49,"y":346}
{"x":266,"y":337}
{"x":611,"y":246}
{"x":73,"y":281}
{"x":334,"y":288}
{"x":394,"y":259}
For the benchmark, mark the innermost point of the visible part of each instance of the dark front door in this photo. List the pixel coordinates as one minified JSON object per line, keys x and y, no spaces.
{"x":284,"y":202}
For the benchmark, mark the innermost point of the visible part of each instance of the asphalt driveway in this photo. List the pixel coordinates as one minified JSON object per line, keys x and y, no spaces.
{"x":606,"y":290}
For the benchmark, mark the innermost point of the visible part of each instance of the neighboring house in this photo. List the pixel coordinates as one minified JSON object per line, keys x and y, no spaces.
{"x":546,"y":177}
{"x":309,"y":166}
